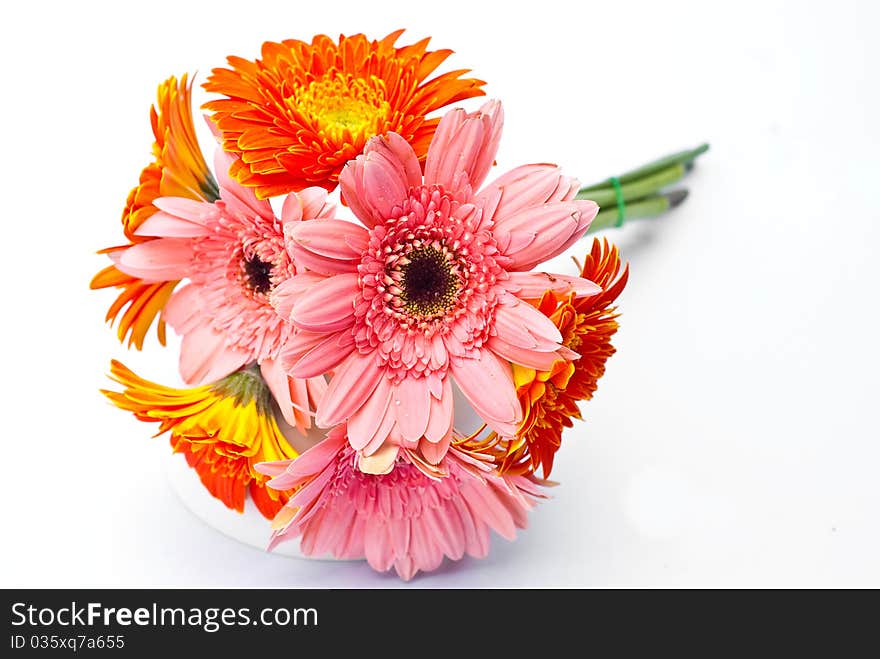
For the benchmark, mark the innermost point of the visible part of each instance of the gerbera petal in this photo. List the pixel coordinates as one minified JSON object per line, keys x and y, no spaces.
{"x":238,"y":198}
{"x":315,"y":205}
{"x":486,"y":505}
{"x":532,"y":285}
{"x":397,"y":152}
{"x":353,"y":382}
{"x":285,"y":295}
{"x":292,"y":209}
{"x":328,"y":306}
{"x":365,"y":423}
{"x":279,"y":384}
{"x":522,"y":324}
{"x":204,"y":356}
{"x":464,"y":143}
{"x":163,"y":259}
{"x":326,"y":246}
{"x":353,"y":190}
{"x":441,"y":414}
{"x":550,"y":230}
{"x":487,"y":382}
{"x":310,"y":354}
{"x":384,"y":181}
{"x":163,"y":224}
{"x":536,"y":359}
{"x":412,"y":405}
{"x":434,"y":452}
{"x":524,"y":187}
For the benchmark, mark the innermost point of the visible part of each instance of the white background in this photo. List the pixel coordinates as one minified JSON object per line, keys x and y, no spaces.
{"x":733,"y":441}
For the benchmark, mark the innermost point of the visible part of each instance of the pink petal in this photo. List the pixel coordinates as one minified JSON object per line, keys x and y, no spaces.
{"x":398,"y":153}
{"x":273,"y":468}
{"x":495,"y":113}
{"x":285,"y":295}
{"x":316,"y":387}
{"x":329,"y":305}
{"x":474,"y":531}
{"x":550,"y":230}
{"x":306,"y":465}
{"x":365,"y":422}
{"x":171,"y":226}
{"x":412,"y":401}
{"x":315,"y":205}
{"x":441,"y":414}
{"x":163,"y":259}
{"x":464,"y":144}
{"x":278,"y":382}
{"x":352,"y":384}
{"x":521,"y":324}
{"x":486,"y":505}
{"x":524,"y":187}
{"x":385,"y":184}
{"x":434,"y":452}
{"x":238,"y":199}
{"x":533,"y":285}
{"x":292,"y":209}
{"x":183,"y":310}
{"x":445,"y":527}
{"x":425,"y":551}
{"x":387,"y":428}
{"x":204,"y":357}
{"x":536,"y":359}
{"x":326,"y":246}
{"x":185,"y":209}
{"x":487,"y":382}
{"x":378,"y":180}
{"x":377,"y":545}
{"x":309,"y":354}
{"x":353,"y":191}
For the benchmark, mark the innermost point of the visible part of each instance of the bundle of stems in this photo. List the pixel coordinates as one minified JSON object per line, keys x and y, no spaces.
{"x":643,"y":191}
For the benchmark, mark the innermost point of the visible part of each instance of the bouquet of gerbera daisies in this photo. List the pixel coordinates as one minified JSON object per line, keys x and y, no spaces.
{"x":365,"y":319}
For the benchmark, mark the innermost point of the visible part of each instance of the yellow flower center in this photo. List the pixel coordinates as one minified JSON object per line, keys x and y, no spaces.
{"x":343,"y":108}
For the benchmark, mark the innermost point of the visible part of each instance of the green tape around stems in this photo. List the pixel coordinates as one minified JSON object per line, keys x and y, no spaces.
{"x":621,"y":204}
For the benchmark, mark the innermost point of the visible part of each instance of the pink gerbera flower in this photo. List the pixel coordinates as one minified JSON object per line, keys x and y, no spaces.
{"x":233,"y":253}
{"x":405,"y":519}
{"x":431,"y":289}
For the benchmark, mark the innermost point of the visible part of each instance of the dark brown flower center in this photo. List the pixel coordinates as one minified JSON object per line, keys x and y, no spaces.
{"x":257,"y":274}
{"x":429,"y":283}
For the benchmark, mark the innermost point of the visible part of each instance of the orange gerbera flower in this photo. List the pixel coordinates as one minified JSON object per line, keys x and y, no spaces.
{"x":178,"y":170}
{"x":297,"y":115}
{"x":223,"y":429}
{"x":550,"y":398}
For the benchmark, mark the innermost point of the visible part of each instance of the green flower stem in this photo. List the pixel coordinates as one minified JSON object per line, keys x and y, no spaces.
{"x":647,"y":207}
{"x":641,"y":190}
{"x":636,"y":189}
{"x":685,"y":158}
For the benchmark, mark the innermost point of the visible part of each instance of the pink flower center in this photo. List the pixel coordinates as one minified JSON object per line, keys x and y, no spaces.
{"x":236,"y":268}
{"x":427,"y":272}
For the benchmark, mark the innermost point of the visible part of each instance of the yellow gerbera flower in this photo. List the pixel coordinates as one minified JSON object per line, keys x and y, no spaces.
{"x":224,"y":429}
{"x":178,"y":170}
